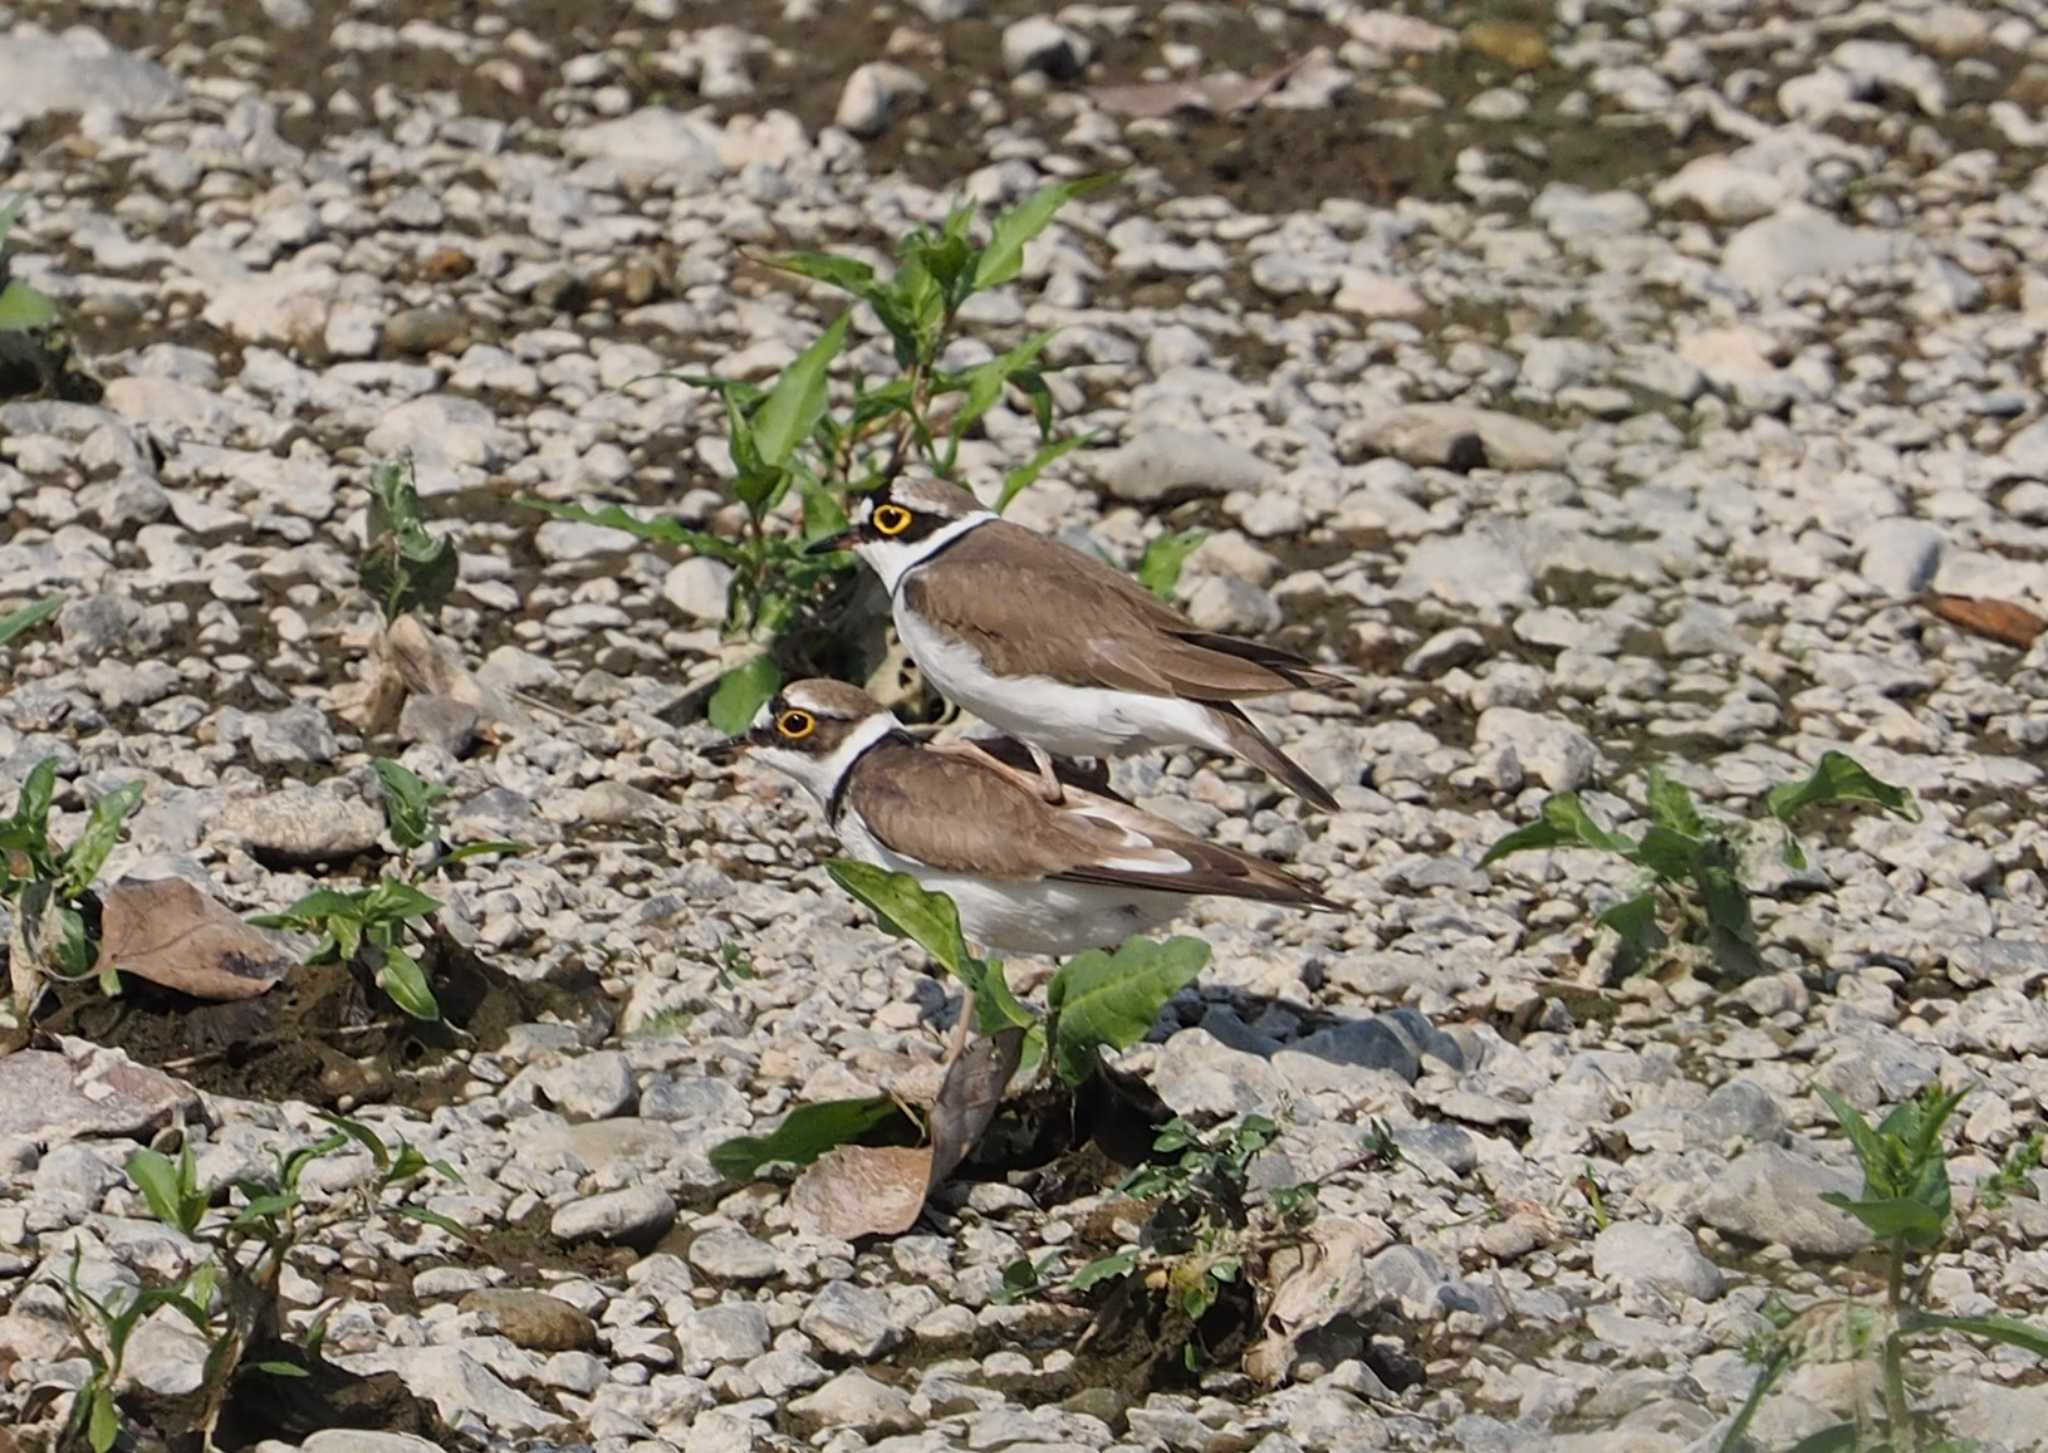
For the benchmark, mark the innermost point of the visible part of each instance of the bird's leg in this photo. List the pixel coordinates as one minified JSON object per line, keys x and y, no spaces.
{"x":1046,"y":784}
{"x":1048,"y":780}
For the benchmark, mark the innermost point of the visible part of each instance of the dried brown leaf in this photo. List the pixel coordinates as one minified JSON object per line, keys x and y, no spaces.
{"x":968,"y":1099}
{"x":171,"y":933}
{"x":862,"y":1190}
{"x":2001,"y":620}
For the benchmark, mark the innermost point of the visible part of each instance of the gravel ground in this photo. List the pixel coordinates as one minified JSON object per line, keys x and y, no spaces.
{"x":1607,"y":386}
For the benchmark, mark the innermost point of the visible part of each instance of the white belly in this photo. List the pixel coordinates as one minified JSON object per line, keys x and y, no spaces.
{"x":1070,"y":721}
{"x":1049,"y":918}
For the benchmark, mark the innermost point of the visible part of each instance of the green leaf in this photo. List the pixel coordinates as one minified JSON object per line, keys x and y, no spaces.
{"x":1123,"y":1263}
{"x":1671,"y":806}
{"x":1794,"y":855}
{"x":1836,"y":1438}
{"x":157,"y":1178}
{"x":1020,"y":479}
{"x":742,"y":692}
{"x":1565,"y":823}
{"x":806,"y":1133}
{"x":1869,"y":1150}
{"x":27,"y":618}
{"x":1634,"y":920}
{"x":102,"y":831}
{"x":281,"y":1369}
{"x":32,"y":807}
{"x":908,"y":911}
{"x":1003,"y":258}
{"x":104,"y":1426}
{"x":1112,"y":1001}
{"x":1894,"y":1217}
{"x":403,"y":566}
{"x":396,"y":899}
{"x":2008,"y":1330}
{"x":406,"y":982}
{"x":363,"y":1135}
{"x":1159,"y":570}
{"x":1731,"y":931}
{"x":480,"y":850}
{"x":796,"y":403}
{"x":1669,"y":855}
{"x":661,"y":530}
{"x":984,"y":383}
{"x":434,"y":1219}
{"x":408,"y":802}
{"x":23,"y":307}
{"x":845,"y":273}
{"x":824,"y":515}
{"x":996,"y":1008}
{"x":1839,"y":778}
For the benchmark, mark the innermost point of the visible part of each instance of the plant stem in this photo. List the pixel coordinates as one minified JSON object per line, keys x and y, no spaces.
{"x":1898,"y":1416}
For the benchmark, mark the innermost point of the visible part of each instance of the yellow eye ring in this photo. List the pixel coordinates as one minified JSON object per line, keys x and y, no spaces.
{"x":796,"y":725}
{"x":890,"y":519}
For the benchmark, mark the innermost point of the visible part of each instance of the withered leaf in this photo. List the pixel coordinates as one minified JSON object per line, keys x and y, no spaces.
{"x":862,"y":1190}
{"x":2001,"y":620}
{"x":171,"y":933}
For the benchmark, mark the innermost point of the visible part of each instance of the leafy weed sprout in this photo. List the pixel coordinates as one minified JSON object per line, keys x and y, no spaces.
{"x":1692,"y":861}
{"x":789,"y":437}
{"x":1905,"y":1202}
{"x":377,"y":927}
{"x":55,"y":910}
{"x":231,"y":1297}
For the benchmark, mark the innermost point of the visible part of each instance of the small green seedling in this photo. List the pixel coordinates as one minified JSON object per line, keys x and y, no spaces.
{"x":403,"y":566}
{"x":231,"y":1298}
{"x":789,"y":438}
{"x":1205,"y":1228}
{"x":1159,"y":569}
{"x":15,"y":623}
{"x":49,"y":894}
{"x":1905,"y":1202}
{"x":22,"y":308}
{"x":377,"y":926}
{"x":1692,"y":862}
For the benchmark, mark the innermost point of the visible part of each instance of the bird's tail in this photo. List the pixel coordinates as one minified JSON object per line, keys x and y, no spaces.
{"x":1246,"y":741}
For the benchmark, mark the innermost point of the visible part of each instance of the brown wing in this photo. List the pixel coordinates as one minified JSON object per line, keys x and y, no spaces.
{"x":1002,"y":582}
{"x":993,"y":828}
{"x":952,"y":813}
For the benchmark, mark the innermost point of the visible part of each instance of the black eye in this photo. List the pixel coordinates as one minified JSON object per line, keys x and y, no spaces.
{"x":796,"y":725}
{"x":890,"y":519}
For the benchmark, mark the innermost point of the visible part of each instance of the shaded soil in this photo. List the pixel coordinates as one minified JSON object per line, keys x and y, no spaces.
{"x":322,"y":1035}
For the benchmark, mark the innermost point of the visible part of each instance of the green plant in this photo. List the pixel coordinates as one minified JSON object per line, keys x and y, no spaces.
{"x":22,"y":308}
{"x":54,"y":907}
{"x":403,"y":567}
{"x":376,"y":926}
{"x":1906,"y":1204}
{"x":231,"y":1297}
{"x":789,"y":437}
{"x":1693,"y":862}
{"x":14,"y":623}
{"x":1159,"y":568}
{"x":1205,"y":1229}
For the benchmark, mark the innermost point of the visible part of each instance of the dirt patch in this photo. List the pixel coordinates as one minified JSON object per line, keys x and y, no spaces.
{"x":322,"y":1035}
